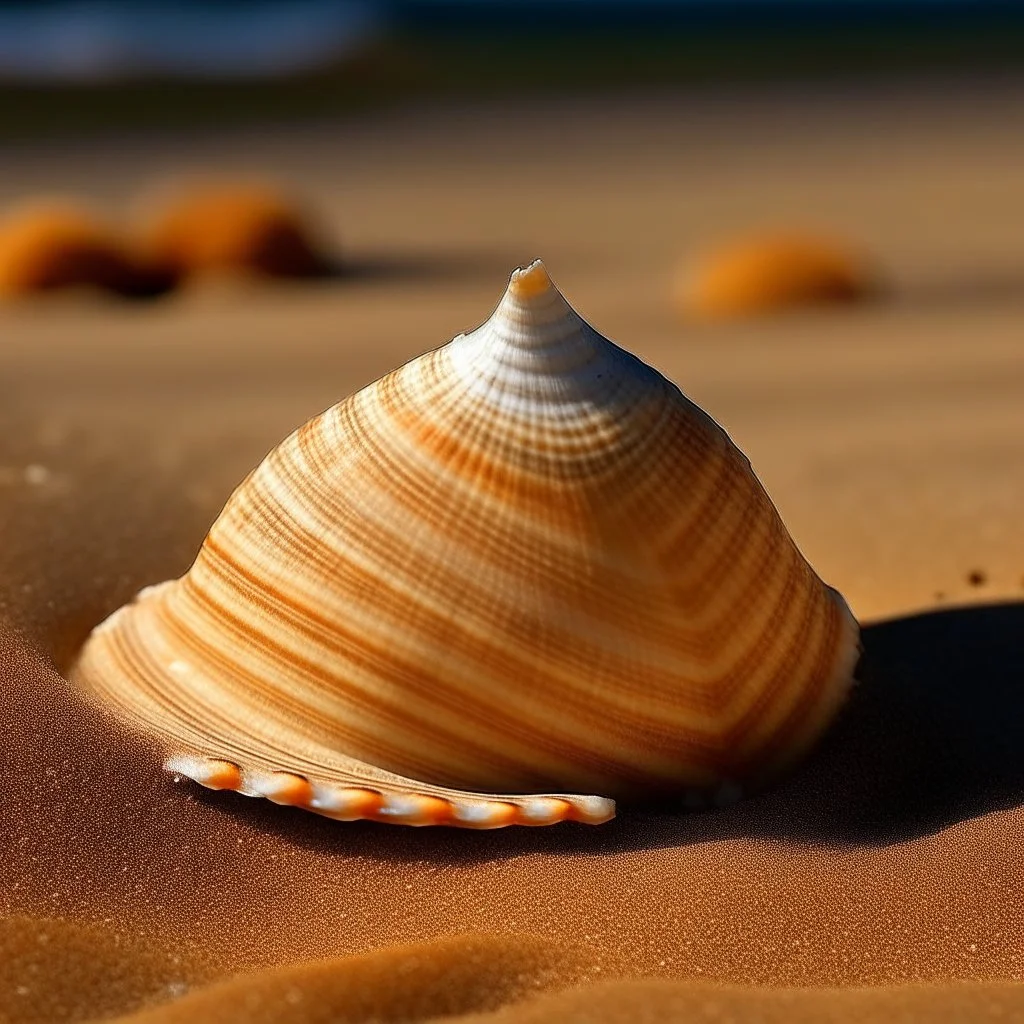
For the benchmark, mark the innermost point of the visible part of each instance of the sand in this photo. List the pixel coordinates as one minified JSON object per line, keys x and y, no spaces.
{"x":882,"y":881}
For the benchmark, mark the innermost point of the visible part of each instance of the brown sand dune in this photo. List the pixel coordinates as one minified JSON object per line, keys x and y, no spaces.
{"x":637,"y":1002}
{"x":890,"y":438}
{"x":64,"y":970}
{"x":440,"y":980}
{"x":444,"y":979}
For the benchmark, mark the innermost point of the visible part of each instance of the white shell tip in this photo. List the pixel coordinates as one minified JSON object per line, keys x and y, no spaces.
{"x":530,"y":281}
{"x":593,"y":809}
{"x":414,"y":809}
{"x":542,"y":810}
{"x":208,"y":772}
{"x":184,"y":764}
{"x":345,"y":803}
{"x":284,"y":788}
{"x":483,"y":814}
{"x":400,"y":805}
{"x":472,"y":813}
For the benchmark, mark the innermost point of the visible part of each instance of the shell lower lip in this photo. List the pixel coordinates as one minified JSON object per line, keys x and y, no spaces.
{"x":355,"y":803}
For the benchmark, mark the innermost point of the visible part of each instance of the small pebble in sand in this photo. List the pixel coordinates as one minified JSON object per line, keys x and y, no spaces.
{"x":36,"y":475}
{"x":33,"y":475}
{"x":769,"y":273}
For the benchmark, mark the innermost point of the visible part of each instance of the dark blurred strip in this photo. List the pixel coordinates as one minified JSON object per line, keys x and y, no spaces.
{"x":493,"y":47}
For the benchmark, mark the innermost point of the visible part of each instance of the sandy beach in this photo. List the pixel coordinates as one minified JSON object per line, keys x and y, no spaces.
{"x":882,"y":881}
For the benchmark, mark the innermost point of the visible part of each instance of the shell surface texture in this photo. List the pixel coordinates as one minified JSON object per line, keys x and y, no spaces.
{"x":519,"y":569}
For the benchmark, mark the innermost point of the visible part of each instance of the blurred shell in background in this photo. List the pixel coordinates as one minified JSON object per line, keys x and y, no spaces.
{"x":773,"y":272}
{"x":224,"y":227}
{"x":47,"y":245}
{"x":520,"y":564}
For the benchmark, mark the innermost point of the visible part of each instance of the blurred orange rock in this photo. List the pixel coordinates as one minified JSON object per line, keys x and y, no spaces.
{"x":45,"y":245}
{"x":773,"y":272}
{"x":246,"y":228}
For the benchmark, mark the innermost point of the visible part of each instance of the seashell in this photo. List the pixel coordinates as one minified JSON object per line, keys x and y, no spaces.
{"x":50,"y":245}
{"x":773,"y":272}
{"x":520,"y":567}
{"x":239,"y":227}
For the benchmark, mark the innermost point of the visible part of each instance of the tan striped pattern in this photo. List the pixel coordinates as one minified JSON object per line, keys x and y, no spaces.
{"x":521,"y":563}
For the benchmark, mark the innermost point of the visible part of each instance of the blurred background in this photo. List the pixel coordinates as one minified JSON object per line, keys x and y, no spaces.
{"x":715,"y":184}
{"x":83,"y":65}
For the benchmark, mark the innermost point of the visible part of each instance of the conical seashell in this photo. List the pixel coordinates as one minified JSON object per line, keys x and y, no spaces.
{"x":773,"y":272}
{"x":518,"y":564}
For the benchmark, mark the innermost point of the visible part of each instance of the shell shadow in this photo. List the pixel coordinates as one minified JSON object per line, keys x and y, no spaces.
{"x":932,"y":735}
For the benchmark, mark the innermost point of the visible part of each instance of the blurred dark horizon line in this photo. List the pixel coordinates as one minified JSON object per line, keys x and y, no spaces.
{"x":448,"y":14}
{"x":80,"y":39}
{"x":393,"y":51}
{"x":916,"y":92}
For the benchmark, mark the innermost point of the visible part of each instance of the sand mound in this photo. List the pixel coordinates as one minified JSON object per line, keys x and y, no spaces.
{"x":443,"y":979}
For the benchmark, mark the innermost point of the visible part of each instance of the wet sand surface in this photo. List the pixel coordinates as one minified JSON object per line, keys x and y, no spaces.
{"x":882,"y":881}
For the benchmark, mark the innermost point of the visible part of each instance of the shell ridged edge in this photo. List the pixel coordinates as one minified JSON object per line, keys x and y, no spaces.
{"x":358,"y":803}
